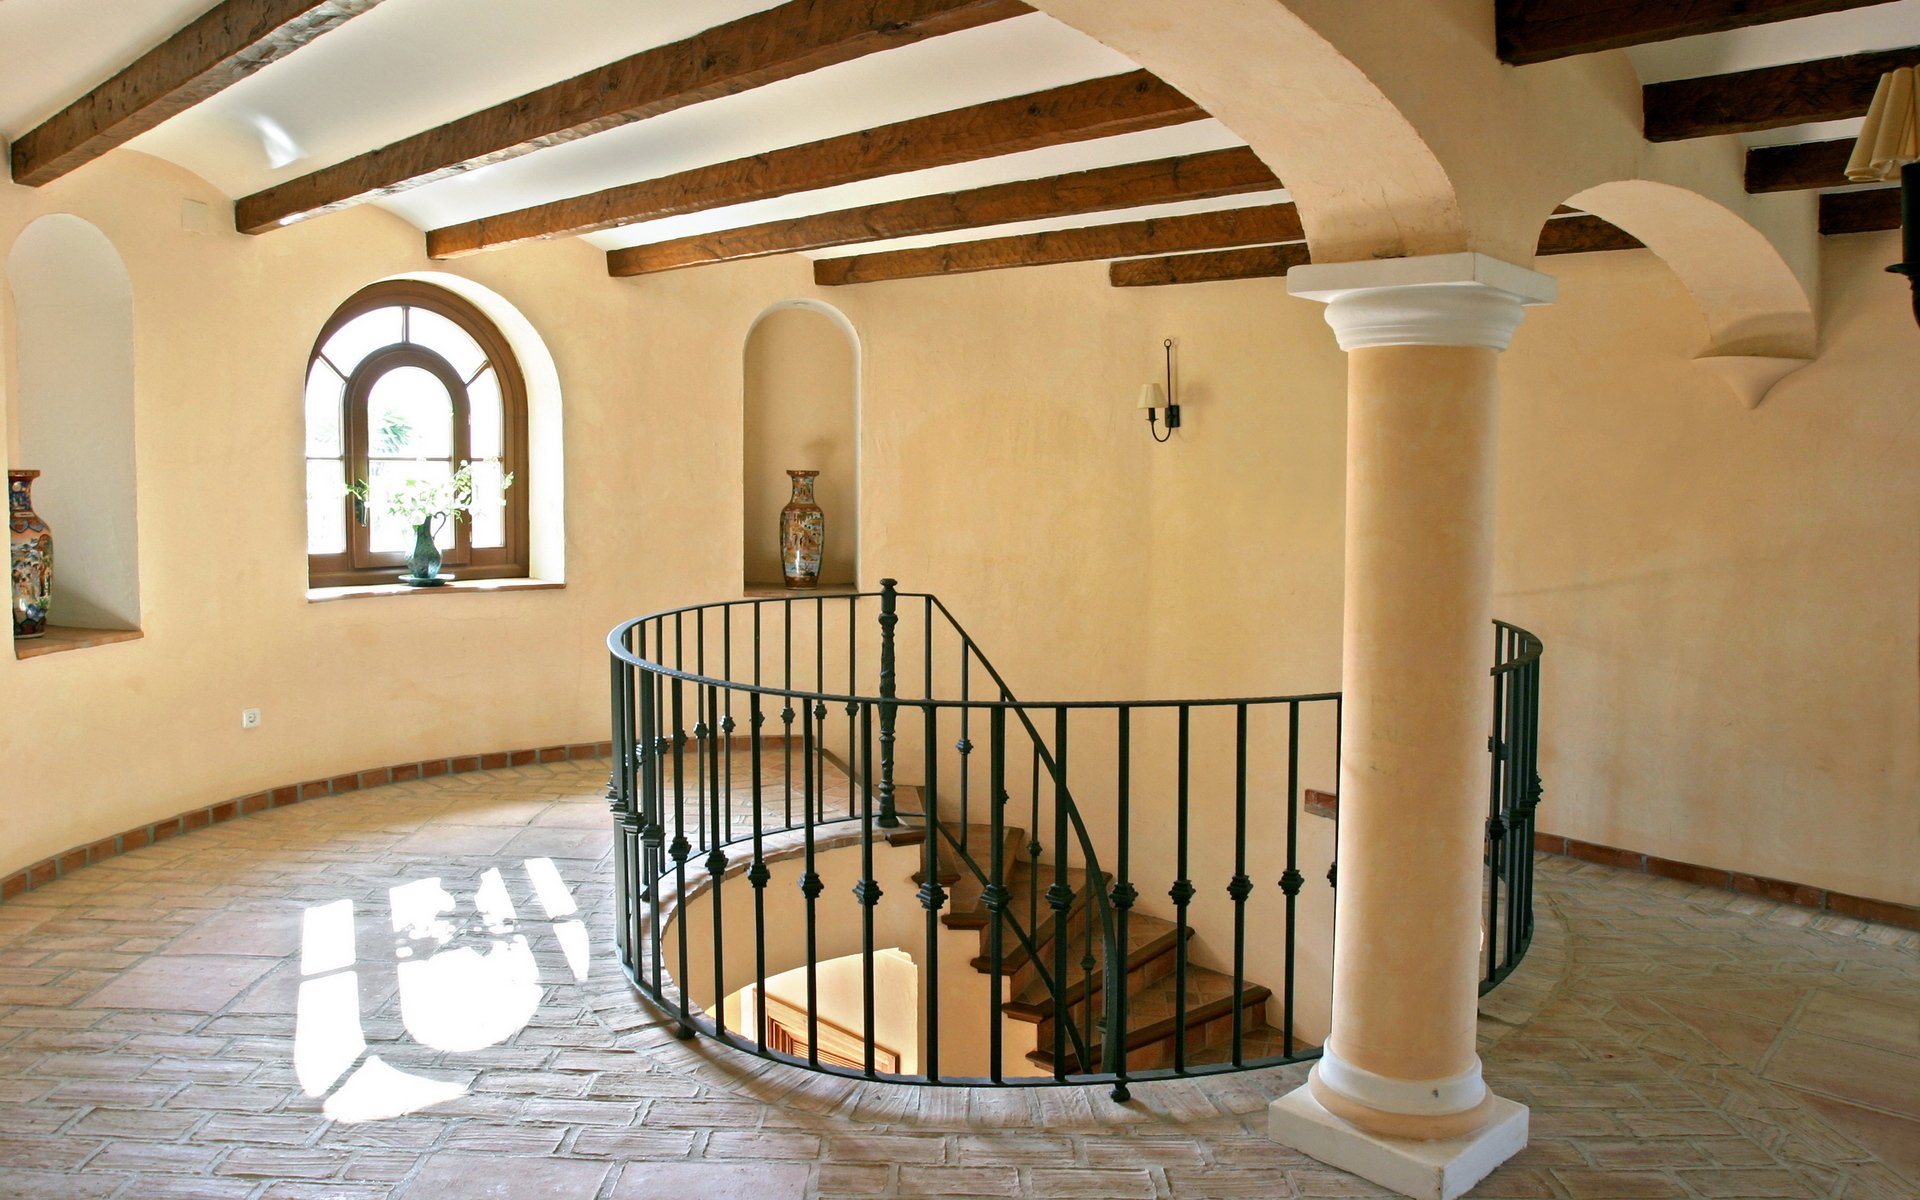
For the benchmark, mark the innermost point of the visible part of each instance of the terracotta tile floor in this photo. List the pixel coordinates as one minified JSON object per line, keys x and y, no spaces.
{"x":380,"y":995}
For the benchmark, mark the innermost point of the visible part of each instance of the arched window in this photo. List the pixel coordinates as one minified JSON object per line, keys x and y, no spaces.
{"x":408,"y":381}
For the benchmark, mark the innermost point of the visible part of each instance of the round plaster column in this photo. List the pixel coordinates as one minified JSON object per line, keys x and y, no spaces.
{"x":1423,"y":337}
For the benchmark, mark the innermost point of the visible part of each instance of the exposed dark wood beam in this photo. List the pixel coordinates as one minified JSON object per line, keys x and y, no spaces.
{"x":1160,"y":235}
{"x":1796,"y":168}
{"x":1164,"y":181}
{"x":224,"y":45}
{"x":1077,"y":112}
{"x":1254,"y":262}
{"x":1531,"y":31}
{"x":1582,"y":234}
{"x":1860,"y":212}
{"x":756,"y":50}
{"x":1827,"y":89}
{"x":1569,"y":235}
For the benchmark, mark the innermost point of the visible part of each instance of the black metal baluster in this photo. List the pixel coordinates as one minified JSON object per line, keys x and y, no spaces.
{"x":965,"y":747}
{"x":619,"y":796}
{"x":680,"y":849}
{"x":1060,"y":897}
{"x":1496,"y":751}
{"x":889,"y":689}
{"x":931,"y":895}
{"x":653,"y":832}
{"x":994,"y":896}
{"x":1291,"y":879}
{"x":726,"y":718}
{"x":716,"y":864}
{"x":1181,"y":893}
{"x":1033,"y":846}
{"x":758,"y":875}
{"x":810,"y":885}
{"x":786,"y":712}
{"x":1240,"y":887}
{"x":1114,"y":1036}
{"x":867,"y":892}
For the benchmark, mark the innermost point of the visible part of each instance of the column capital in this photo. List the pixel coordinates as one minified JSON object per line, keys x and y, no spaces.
{"x":1433,"y":300}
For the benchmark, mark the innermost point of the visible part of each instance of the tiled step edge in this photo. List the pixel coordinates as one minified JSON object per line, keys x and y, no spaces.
{"x":49,"y":869}
{"x":1861,"y":908}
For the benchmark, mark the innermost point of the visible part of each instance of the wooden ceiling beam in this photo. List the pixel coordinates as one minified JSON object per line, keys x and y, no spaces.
{"x":1569,"y":235}
{"x":1860,"y":212}
{"x":224,"y":45}
{"x":1533,"y":31}
{"x":1827,"y":89}
{"x":1077,"y":112}
{"x":1130,"y":185}
{"x":756,"y":50}
{"x":1796,"y":168}
{"x":1159,"y":235}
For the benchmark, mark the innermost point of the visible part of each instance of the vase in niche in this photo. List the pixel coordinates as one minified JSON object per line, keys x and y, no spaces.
{"x":31,"y":544}
{"x":803,"y":533}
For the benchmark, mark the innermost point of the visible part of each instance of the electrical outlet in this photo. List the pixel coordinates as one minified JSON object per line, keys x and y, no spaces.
{"x":249,"y":718}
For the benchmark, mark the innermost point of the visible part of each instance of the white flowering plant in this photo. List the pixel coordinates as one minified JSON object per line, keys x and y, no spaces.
{"x":422,"y":502}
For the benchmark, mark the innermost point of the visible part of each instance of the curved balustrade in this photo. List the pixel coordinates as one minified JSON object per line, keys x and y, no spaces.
{"x":1088,"y":891}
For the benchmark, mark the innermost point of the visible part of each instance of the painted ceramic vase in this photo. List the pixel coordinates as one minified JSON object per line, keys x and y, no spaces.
{"x":803,"y":533}
{"x":32,"y":557}
{"x":423,"y":564}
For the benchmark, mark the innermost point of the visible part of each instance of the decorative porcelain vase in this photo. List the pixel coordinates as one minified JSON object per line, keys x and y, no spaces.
{"x":423,"y":565}
{"x":31,"y":544}
{"x":803,"y":533}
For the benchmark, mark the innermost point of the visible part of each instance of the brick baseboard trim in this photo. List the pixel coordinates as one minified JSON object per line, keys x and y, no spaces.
{"x":1906,"y":916}
{"x":49,"y":869}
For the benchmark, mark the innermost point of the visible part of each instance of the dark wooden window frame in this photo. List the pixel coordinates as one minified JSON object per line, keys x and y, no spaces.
{"x":358,"y":565}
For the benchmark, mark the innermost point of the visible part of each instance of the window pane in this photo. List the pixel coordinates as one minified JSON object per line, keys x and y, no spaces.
{"x":323,"y":411}
{"x":409,"y":415}
{"x":428,"y":328}
{"x":370,"y":331}
{"x":483,"y":416}
{"x":326,"y":506}
{"x":388,"y":532}
{"x":489,"y":505}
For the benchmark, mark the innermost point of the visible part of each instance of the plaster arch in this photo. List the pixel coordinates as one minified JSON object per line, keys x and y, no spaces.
{"x":72,"y":413}
{"x":1367,"y":183}
{"x":1760,"y":320}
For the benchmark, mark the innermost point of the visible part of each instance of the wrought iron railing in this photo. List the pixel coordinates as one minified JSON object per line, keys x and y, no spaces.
{"x":761,"y":738}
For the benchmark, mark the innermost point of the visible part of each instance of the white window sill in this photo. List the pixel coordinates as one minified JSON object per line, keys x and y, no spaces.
{"x":456,"y":588}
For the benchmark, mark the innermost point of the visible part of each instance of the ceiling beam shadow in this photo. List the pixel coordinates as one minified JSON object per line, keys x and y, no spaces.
{"x":224,"y":45}
{"x":1860,"y":212}
{"x":765,"y":47}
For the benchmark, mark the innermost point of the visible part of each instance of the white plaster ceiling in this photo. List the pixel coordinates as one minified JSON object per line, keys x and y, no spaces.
{"x":408,"y":65}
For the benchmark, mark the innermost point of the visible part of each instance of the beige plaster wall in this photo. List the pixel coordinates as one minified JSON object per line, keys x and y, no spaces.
{"x":1729,"y":598}
{"x":801,"y":414}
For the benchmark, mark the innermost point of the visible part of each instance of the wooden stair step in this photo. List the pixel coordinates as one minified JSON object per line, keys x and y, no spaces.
{"x":1148,"y":940}
{"x":1152,"y":1016}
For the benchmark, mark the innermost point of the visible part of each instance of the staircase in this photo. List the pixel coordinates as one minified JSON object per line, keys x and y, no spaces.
{"x":1153,"y":1016}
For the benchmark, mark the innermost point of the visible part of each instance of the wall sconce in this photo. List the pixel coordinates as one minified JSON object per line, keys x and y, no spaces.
{"x":1152,"y":399}
{"x":1889,"y":149}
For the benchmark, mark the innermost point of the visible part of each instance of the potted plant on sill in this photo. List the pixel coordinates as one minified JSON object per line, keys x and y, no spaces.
{"x":426,"y":505}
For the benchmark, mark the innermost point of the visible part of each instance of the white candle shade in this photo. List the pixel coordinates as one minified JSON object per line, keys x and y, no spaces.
{"x":1151,"y":396}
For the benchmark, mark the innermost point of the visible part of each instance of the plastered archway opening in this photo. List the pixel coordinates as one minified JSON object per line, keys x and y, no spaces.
{"x":546,"y":483}
{"x":1760,"y":321}
{"x":1368,"y":185}
{"x":73,"y":414}
{"x":801,"y":374}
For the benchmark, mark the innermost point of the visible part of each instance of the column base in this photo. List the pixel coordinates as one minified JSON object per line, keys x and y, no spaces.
{"x":1438,"y":1170}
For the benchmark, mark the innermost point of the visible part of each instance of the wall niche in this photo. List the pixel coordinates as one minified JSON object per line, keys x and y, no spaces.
{"x":72,"y":420}
{"x":801,"y":413}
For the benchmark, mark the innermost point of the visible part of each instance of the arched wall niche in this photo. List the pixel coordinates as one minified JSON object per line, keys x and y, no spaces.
{"x":801,"y":411}
{"x":1760,"y":320}
{"x":546,"y":460}
{"x":73,"y":414}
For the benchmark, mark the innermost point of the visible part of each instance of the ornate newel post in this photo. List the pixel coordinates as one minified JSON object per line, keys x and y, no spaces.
{"x":889,"y":689}
{"x":1397,"y":1096}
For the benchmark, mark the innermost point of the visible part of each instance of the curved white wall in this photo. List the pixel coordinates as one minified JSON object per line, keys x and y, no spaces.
{"x":74,"y":414}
